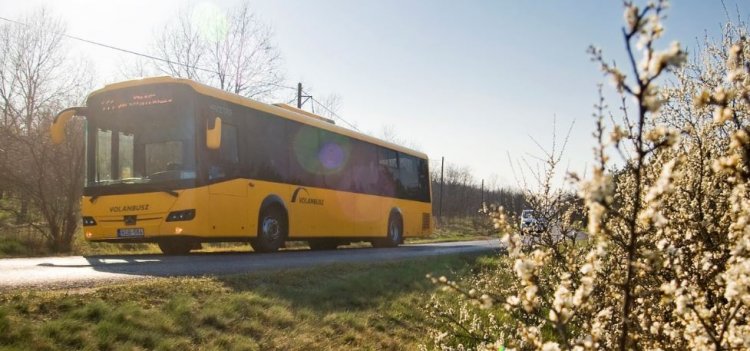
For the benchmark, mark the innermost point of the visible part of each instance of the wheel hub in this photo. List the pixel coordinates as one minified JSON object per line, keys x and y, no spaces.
{"x":394,"y":231}
{"x":271,"y":228}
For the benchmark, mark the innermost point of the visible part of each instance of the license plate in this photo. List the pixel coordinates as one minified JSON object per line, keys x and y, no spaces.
{"x":130,"y":233}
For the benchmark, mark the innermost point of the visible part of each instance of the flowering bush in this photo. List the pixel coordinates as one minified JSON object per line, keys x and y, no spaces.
{"x":666,"y":262}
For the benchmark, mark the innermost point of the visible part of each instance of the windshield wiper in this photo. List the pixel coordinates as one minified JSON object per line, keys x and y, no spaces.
{"x":170,"y":192}
{"x":163,"y":189}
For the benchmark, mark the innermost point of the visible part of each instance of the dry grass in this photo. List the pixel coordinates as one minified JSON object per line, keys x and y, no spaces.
{"x":458,"y":229}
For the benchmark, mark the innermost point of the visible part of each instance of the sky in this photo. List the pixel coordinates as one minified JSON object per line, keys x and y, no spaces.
{"x":475,"y":82}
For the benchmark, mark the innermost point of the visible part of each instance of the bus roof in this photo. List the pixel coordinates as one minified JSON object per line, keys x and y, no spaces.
{"x":317,"y":121}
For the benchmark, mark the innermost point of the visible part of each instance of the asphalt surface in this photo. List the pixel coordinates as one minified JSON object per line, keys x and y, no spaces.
{"x":86,"y":271}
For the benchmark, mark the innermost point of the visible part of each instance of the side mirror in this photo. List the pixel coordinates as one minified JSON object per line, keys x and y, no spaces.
{"x":57,"y":130}
{"x":213,"y":135}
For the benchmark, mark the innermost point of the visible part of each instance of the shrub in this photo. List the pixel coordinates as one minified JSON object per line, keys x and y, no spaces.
{"x":667,"y":261}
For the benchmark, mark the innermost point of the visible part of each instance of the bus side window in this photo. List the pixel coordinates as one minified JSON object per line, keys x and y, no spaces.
{"x":408,"y":176}
{"x":424,"y":180}
{"x":334,"y":155}
{"x":364,"y":168}
{"x":266,"y":149}
{"x":387,"y":172}
{"x":226,"y":162}
{"x":304,"y":162}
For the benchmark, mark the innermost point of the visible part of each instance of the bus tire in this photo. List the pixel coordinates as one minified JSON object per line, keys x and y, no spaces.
{"x":394,"y":235}
{"x":322,"y":244}
{"x":272,"y":230}
{"x":175,"y":247}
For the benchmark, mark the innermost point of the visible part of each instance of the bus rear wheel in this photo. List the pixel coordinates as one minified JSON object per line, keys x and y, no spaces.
{"x":394,"y":235}
{"x":272,"y":230}
{"x":175,"y":247}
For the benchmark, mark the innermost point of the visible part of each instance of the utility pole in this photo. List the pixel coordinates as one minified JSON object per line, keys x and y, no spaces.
{"x":440,"y":204}
{"x":299,"y":95}
{"x":482,"y":191}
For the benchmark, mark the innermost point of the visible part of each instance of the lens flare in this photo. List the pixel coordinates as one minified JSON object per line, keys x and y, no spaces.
{"x":331,"y":156}
{"x":320,"y":154}
{"x":305,"y":147}
{"x":210,"y":21}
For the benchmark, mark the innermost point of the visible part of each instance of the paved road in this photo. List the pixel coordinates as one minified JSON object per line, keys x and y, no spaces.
{"x":84,"y":271}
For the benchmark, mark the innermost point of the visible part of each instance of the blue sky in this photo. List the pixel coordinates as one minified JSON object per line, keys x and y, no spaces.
{"x":468,"y":80}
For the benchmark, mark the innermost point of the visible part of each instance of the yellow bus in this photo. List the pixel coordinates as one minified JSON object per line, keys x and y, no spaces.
{"x":179,"y":163}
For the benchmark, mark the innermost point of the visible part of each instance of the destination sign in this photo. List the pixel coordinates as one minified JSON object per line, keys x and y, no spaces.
{"x":140,"y":100}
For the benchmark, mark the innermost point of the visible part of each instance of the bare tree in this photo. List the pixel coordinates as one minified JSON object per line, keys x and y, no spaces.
{"x":328,"y":105}
{"x":30,"y":60}
{"x":135,"y":68}
{"x":181,"y":47}
{"x":38,"y":78}
{"x":463,"y":196}
{"x":389,"y":133}
{"x":247,"y":62}
{"x":331,"y":105}
{"x":232,"y":51}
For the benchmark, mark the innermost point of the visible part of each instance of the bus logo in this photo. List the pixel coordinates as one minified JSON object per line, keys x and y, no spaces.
{"x":304,"y":199}
{"x":130,"y":208}
{"x":129,"y":220}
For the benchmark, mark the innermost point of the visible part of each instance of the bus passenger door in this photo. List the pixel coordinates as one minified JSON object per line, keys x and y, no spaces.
{"x":228,"y":202}
{"x":228,"y":208}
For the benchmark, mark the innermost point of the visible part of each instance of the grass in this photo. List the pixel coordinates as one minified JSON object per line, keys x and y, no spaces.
{"x":337,"y":307}
{"x":459,"y":229}
{"x":12,"y":246}
{"x":20,"y":242}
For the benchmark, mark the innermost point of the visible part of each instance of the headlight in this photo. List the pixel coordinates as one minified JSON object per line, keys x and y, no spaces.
{"x":184,"y":215}
{"x":88,"y":221}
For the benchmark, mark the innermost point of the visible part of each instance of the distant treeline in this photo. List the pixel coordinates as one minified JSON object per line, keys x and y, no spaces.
{"x":463,"y":193}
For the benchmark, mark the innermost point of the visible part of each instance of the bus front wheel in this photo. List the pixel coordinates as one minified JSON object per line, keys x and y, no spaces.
{"x":272,"y":230}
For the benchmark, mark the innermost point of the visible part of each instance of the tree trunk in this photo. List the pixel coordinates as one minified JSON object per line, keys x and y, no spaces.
{"x":61,"y":245}
{"x":59,"y":242}
{"x":23,"y":214}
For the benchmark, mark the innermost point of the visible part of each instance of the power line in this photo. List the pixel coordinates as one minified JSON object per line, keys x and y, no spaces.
{"x":156,"y":58}
{"x":334,"y":114}
{"x":282,"y":86}
{"x":122,"y":50}
{"x":312,"y":100}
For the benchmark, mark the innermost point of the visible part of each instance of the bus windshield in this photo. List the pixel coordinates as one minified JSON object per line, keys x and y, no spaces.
{"x":148,"y":142}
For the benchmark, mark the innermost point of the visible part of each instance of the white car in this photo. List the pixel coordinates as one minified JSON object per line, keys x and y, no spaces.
{"x":530,"y":223}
